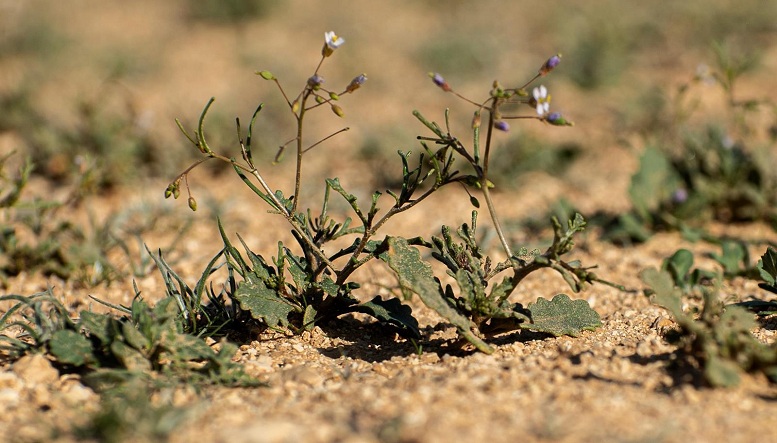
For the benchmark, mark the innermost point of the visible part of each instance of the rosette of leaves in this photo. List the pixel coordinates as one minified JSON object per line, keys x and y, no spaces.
{"x":481,"y":306}
{"x":286,"y":294}
{"x":718,"y":341}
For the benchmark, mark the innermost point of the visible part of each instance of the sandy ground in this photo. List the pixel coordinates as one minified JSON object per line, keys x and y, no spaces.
{"x":352,"y":381}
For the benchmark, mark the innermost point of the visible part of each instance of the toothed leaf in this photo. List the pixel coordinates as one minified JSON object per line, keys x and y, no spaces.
{"x":416,"y":275}
{"x":264,"y":303}
{"x":562,"y":316}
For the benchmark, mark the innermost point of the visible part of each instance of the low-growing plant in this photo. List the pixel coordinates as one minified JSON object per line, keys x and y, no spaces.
{"x":689,"y":175}
{"x":42,"y":235}
{"x":767,"y":270}
{"x":476,"y":309}
{"x":300,"y":288}
{"x":733,"y":259}
{"x":717,"y":342}
{"x":106,"y":349}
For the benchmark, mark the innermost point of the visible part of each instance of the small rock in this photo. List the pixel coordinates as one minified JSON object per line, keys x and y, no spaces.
{"x":9,"y":398}
{"x":76,"y":394}
{"x":304,"y":375}
{"x":10,"y":380}
{"x":259,"y":366}
{"x":35,"y":369}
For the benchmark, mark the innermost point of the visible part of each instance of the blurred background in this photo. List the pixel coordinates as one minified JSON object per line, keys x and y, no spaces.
{"x":107,"y":79}
{"x":89,"y":90}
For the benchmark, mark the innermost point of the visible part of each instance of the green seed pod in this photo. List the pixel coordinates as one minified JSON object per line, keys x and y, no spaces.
{"x":267,"y":75}
{"x":338,"y":110}
{"x":192,"y":203}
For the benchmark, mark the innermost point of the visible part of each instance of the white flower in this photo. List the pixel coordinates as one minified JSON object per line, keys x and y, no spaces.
{"x":541,"y":100}
{"x":332,"y":40}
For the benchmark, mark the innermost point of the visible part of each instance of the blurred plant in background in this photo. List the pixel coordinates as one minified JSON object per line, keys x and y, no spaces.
{"x":692,"y":172}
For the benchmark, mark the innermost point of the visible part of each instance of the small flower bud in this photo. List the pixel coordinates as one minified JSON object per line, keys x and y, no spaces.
{"x":315,"y":81}
{"x":320,"y":99}
{"x":338,"y":110}
{"x":334,"y":96}
{"x":550,"y":64}
{"x":439,"y":81}
{"x":192,"y":203}
{"x":176,"y":192}
{"x":556,"y":119}
{"x":502,"y":126}
{"x":680,"y":196}
{"x":476,"y":120}
{"x":356,"y":83}
{"x":168,"y":192}
{"x":331,"y":42}
{"x":295,"y":106}
{"x":267,"y":75}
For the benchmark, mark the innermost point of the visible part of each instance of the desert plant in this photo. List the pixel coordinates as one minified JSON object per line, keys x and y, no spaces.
{"x":106,"y":349}
{"x":717,"y":343}
{"x":297,"y":290}
{"x":689,"y":174}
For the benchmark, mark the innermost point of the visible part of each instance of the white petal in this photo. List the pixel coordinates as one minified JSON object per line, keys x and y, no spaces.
{"x":536,"y":93}
{"x":540,"y":109}
{"x":543,"y":91}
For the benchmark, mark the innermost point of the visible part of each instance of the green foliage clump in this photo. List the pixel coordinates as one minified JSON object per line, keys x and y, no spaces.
{"x":690,"y":174}
{"x":41,"y":235}
{"x":719,"y":343}
{"x":106,"y":349}
{"x":302,"y":287}
{"x":479,"y":310}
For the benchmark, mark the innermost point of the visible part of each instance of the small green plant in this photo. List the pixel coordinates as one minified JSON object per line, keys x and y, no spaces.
{"x":718,"y":344}
{"x":478,"y":310}
{"x":767,"y":270}
{"x":300,"y":288}
{"x":40,"y":235}
{"x":106,"y":349}
{"x":688,"y":175}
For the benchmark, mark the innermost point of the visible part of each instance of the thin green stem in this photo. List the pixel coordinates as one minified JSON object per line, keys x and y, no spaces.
{"x":300,"y":152}
{"x":484,"y":183}
{"x":354,"y":263}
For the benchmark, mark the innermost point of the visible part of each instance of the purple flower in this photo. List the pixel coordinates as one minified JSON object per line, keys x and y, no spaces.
{"x":556,"y":119}
{"x":315,"y":81}
{"x":356,"y":83}
{"x":680,"y":196}
{"x":502,"y":125}
{"x":439,"y":81}
{"x":550,"y":64}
